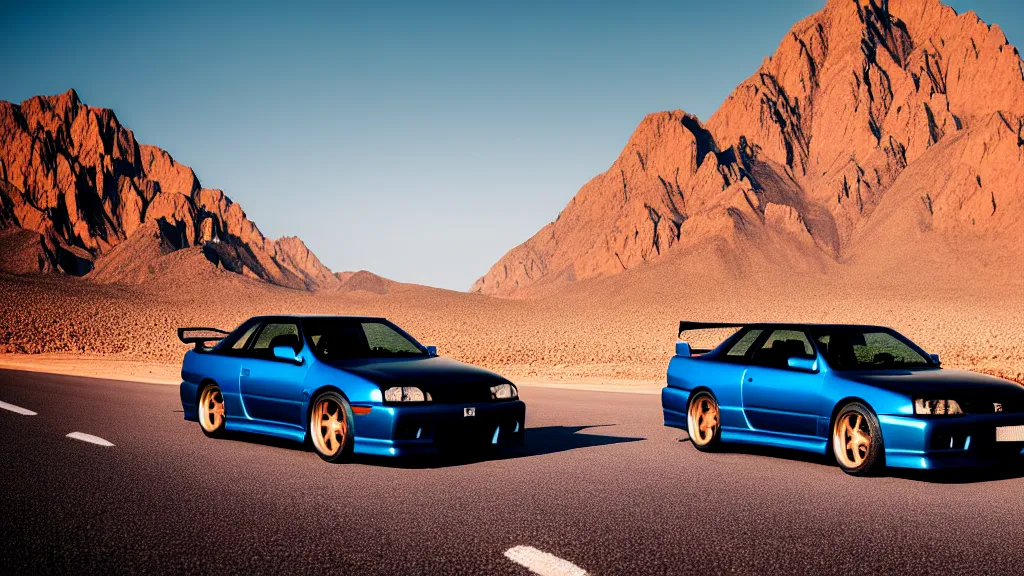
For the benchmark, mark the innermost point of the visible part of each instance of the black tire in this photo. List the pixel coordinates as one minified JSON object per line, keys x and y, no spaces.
{"x":210,"y":410}
{"x":703,"y":422}
{"x":848,"y":447}
{"x":331,"y":447}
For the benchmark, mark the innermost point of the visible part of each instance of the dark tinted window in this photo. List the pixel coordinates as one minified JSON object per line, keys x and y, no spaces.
{"x":782,"y":345}
{"x":346,"y":338}
{"x":245,"y":337}
{"x":852,"y":348}
{"x":276,"y":334}
{"x":740,"y":348}
{"x":235,"y":342}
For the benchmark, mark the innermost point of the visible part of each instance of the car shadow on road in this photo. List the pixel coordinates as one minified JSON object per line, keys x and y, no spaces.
{"x":536,"y":442}
{"x":776,"y":452}
{"x":995,"y":473}
{"x":264,"y":440}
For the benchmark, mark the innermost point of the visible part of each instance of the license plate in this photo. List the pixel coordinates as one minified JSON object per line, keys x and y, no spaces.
{"x":1010,"y":434}
{"x":468,"y":412}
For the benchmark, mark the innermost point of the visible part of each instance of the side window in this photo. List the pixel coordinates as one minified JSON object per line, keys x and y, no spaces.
{"x":234,"y":344}
{"x":244,"y":338}
{"x":274,"y":335}
{"x":782,"y":345}
{"x":382,"y":338}
{"x":880,"y":347}
{"x":742,"y":346}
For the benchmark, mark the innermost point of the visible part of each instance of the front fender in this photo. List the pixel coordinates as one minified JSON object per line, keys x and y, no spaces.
{"x":358,"y":391}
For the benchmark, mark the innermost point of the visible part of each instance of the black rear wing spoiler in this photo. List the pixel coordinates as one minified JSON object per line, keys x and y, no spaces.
{"x":200,"y":336}
{"x":686,"y":326}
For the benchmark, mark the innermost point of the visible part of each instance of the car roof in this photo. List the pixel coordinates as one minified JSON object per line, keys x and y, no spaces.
{"x":686,"y":325}
{"x":812,"y":325}
{"x":316,"y":317}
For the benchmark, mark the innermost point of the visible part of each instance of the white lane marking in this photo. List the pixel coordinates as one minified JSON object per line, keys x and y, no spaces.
{"x":89,"y":438}
{"x":542,"y":563}
{"x":16,"y":409}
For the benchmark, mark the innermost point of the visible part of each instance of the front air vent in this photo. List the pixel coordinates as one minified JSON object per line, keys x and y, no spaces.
{"x":460,"y":393}
{"x":991,"y":407}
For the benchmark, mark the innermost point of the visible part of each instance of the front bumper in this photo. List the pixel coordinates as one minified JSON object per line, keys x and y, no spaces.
{"x":931,"y":443}
{"x":429,"y":428}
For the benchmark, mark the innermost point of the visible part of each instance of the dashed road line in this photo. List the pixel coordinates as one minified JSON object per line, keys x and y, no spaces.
{"x":89,"y":438}
{"x":17,"y":409}
{"x":542,"y":563}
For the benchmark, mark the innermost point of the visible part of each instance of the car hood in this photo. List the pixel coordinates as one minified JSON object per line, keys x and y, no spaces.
{"x":427,"y":373}
{"x":938,"y":383}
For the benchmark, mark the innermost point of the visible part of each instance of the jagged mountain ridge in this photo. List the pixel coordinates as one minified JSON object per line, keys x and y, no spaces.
{"x":75,"y":186}
{"x":806,"y":162}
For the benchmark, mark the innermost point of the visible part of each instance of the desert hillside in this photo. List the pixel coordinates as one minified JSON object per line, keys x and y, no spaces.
{"x":871,"y":171}
{"x":881,"y":134}
{"x":80,"y":196}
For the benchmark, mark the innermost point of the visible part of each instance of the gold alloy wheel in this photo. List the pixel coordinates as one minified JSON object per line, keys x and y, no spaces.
{"x":211,"y":409}
{"x":851,"y":440}
{"x":328,"y":426}
{"x":703,"y":420}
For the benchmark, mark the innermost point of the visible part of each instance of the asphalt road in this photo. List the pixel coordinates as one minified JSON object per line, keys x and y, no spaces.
{"x":600,"y":483}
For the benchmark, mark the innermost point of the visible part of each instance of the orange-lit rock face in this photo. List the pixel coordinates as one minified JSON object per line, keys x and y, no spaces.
{"x":830,"y":126}
{"x":76,"y":177}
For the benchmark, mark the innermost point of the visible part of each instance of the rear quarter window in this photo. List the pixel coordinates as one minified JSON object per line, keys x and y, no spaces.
{"x":236,"y":342}
{"x":742,"y":346}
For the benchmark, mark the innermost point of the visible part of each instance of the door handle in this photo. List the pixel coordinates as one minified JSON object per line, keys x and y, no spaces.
{"x":245,"y":371}
{"x":751,"y":379}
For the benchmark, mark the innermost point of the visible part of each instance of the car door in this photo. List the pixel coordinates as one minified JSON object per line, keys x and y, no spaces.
{"x":229,"y":362}
{"x":777,"y":398}
{"x":271,"y":388}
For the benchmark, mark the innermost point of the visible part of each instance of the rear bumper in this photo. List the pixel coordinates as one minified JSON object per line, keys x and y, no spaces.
{"x":428,"y":429}
{"x":189,"y":393}
{"x":673,"y":404}
{"x":953,"y":442}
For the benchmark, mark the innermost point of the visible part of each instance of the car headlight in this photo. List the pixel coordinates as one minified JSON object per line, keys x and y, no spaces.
{"x":504,"y":392}
{"x":936,"y":407}
{"x":405,"y":394}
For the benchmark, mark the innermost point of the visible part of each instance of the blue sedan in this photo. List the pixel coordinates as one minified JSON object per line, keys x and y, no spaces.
{"x":866,"y":393}
{"x":345,"y":384}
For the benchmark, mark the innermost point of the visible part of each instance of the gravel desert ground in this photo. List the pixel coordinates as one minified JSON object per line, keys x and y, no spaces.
{"x":619,"y":329}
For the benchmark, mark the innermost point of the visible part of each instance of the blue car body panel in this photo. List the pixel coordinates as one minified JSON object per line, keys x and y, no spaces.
{"x":795,"y":409}
{"x":272,"y":397}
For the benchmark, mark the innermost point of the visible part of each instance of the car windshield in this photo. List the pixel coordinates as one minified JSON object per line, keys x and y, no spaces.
{"x":863,"y":348}
{"x":348,"y":338}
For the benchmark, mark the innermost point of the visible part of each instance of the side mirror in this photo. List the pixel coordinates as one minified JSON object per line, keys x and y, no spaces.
{"x":683,"y":349}
{"x":432,"y":351}
{"x":287,"y":353}
{"x":935,"y":359}
{"x":803,"y":364}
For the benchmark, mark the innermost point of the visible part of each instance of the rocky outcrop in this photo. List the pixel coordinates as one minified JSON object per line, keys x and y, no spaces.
{"x":363,"y":281}
{"x":74,"y":177}
{"x":815,"y":145}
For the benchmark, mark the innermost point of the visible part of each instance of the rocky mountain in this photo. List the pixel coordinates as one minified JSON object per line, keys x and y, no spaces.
{"x":879,"y":133}
{"x":79,"y":195}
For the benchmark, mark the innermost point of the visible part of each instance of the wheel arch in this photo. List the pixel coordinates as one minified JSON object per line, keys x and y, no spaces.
{"x":307,"y":439}
{"x":308,"y":411}
{"x":699,"y":389}
{"x":835,"y":414}
{"x":202,"y":385}
{"x":326,"y":388}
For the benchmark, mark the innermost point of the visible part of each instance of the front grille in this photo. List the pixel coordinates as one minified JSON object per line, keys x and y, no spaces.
{"x":460,"y":394}
{"x":989,"y":407}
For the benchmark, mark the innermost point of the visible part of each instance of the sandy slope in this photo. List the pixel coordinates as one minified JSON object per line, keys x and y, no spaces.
{"x":620,"y":328}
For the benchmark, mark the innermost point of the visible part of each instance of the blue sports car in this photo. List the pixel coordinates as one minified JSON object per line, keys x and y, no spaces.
{"x":868,"y":394}
{"x":346,"y":384}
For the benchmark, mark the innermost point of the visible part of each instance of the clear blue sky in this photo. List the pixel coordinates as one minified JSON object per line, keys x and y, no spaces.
{"x":419,"y":140}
